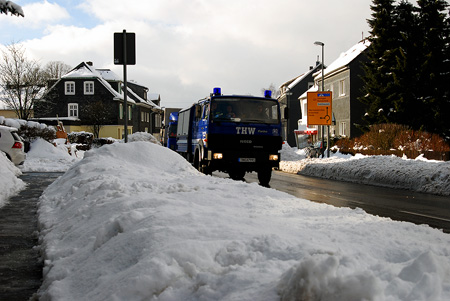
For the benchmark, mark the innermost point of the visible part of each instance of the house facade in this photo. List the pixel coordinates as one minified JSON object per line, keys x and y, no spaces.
{"x":86,"y":96}
{"x":290,"y":91}
{"x":343,"y":77}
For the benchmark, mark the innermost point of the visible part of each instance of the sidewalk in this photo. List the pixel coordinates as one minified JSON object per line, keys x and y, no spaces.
{"x":20,"y":265}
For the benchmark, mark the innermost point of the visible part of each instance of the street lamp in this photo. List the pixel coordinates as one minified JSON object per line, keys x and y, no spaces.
{"x":322,"y":45}
{"x":323,"y":89}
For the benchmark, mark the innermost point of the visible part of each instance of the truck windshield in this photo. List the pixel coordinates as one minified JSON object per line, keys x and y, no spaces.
{"x":249,"y":110}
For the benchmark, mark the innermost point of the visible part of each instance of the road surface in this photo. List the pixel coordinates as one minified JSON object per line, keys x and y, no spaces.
{"x":397,"y":204}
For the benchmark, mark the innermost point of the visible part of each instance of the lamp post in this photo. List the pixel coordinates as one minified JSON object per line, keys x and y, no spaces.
{"x":287,"y":93}
{"x":323,"y":89}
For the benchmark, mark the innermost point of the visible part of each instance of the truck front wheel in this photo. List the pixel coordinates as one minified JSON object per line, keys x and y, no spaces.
{"x":199,"y":164}
{"x":264,"y":176}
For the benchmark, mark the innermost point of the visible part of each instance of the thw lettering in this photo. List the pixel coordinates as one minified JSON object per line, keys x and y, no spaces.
{"x":245,"y":130}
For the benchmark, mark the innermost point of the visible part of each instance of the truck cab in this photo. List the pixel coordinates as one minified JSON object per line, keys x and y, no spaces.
{"x":233,"y":134}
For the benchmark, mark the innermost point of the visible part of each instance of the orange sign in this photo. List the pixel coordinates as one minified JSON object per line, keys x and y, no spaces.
{"x":319,"y":108}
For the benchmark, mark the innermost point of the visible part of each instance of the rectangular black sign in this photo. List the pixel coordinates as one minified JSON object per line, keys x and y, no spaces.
{"x":130,"y":47}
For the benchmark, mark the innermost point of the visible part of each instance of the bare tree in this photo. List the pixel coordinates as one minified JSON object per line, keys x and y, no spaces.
{"x":21,"y":80}
{"x":10,"y":7}
{"x":55,"y":69}
{"x":96,"y":115}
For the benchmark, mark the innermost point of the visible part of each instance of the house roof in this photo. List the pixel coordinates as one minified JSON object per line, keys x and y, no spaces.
{"x":141,"y":100}
{"x":290,"y":84}
{"x":108,"y":74}
{"x":104,"y":76}
{"x":314,"y":88}
{"x":345,"y":59}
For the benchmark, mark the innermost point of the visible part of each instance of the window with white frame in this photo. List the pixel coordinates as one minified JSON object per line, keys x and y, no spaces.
{"x":142,"y":116}
{"x":129,"y":113}
{"x":342,"y":87}
{"x":72,"y":110}
{"x":120,"y":111}
{"x":158,"y":120}
{"x":69,"y":88}
{"x":343,"y":129}
{"x":89,"y":88}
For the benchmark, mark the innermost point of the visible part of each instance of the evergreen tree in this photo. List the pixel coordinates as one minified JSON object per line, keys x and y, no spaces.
{"x":378,"y":80}
{"x":408,"y":72}
{"x":405,"y":71}
{"x":434,"y":76}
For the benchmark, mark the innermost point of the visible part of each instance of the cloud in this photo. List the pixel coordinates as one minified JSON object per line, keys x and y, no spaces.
{"x":186,"y":47}
{"x":38,"y":14}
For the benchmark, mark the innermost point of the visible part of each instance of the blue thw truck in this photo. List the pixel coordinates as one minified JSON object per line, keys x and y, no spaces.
{"x":233,"y":134}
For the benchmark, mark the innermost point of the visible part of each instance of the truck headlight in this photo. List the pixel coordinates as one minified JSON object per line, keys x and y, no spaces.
{"x":218,"y":156}
{"x":273,"y":157}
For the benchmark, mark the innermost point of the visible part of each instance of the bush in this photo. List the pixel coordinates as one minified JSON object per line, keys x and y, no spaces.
{"x":30,"y":132}
{"x":81,"y":138}
{"x":387,"y":137}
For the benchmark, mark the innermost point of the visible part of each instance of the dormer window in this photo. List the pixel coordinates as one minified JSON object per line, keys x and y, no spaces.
{"x":69,"y":88}
{"x":89,"y":88}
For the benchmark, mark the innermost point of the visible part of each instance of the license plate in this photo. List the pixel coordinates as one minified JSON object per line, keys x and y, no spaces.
{"x":247,"y":160}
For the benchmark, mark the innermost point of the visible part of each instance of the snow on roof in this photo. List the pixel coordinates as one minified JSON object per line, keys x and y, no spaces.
{"x":153,"y":96}
{"x":86,"y":71}
{"x":141,"y":100}
{"x":108,"y":74}
{"x":82,"y":71}
{"x":314,"y":88}
{"x":345,"y":58}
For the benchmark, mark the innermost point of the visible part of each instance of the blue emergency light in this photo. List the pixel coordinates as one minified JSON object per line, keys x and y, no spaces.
{"x":217,"y":91}
{"x":268,"y":94}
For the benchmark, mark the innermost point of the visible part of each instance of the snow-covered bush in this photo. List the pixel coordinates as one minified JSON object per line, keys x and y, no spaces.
{"x":81,"y":138}
{"x":33,"y":130}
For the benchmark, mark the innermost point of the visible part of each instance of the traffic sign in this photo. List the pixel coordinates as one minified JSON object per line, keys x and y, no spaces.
{"x":319,"y":108}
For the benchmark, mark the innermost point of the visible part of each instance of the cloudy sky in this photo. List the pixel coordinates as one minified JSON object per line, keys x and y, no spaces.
{"x":184,"y":48}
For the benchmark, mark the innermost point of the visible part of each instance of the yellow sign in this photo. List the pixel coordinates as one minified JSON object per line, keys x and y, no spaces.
{"x":319,"y":108}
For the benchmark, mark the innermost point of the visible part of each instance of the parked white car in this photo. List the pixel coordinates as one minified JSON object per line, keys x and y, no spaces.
{"x":12,"y":145}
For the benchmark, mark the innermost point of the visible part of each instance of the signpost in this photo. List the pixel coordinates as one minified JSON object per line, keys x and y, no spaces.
{"x":125,"y":54}
{"x":319,"y":108}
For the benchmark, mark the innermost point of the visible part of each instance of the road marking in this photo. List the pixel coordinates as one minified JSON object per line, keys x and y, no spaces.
{"x":424,"y":215}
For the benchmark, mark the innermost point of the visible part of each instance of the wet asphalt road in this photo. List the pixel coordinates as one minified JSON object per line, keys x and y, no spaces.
{"x":20,"y":263}
{"x":397,"y":204}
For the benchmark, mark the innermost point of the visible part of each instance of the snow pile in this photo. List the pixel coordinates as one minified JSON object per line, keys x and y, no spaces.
{"x":420,"y":175}
{"x":46,"y":157}
{"x":136,"y":221}
{"x":142,"y":136}
{"x":9,"y":183}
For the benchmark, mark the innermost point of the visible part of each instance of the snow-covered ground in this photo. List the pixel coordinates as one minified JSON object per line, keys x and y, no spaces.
{"x":136,"y":222}
{"x":420,"y":174}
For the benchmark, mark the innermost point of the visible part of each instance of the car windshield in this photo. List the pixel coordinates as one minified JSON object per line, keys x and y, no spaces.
{"x":249,"y":110}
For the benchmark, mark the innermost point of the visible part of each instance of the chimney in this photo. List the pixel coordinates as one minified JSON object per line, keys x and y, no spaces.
{"x":89,"y":64}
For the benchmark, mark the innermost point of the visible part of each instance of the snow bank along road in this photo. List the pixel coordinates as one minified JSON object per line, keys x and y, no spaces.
{"x":113,"y":230}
